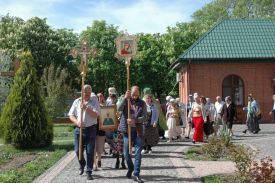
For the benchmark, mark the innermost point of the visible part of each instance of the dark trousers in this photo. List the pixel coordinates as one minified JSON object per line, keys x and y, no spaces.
{"x":89,"y":136}
{"x":253,"y":123}
{"x":137,"y":142}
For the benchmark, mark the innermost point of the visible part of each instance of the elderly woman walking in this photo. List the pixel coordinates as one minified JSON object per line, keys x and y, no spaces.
{"x":173,"y":116}
{"x":151,"y":136}
{"x":229,"y":114}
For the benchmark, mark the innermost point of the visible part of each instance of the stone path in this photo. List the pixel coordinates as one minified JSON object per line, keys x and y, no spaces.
{"x":263,"y":141}
{"x":166,"y":164}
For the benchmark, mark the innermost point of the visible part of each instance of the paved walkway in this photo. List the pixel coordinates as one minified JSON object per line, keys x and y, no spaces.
{"x":166,"y":164}
{"x":263,"y":141}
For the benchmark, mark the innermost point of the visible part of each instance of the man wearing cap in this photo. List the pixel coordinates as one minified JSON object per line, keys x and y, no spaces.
{"x":91,"y":111}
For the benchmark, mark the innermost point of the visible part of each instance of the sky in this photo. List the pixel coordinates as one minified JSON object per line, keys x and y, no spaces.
{"x":135,"y":16}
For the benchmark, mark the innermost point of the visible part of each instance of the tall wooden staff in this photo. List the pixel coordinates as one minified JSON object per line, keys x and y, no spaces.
{"x":83,"y":52}
{"x":126,"y":49}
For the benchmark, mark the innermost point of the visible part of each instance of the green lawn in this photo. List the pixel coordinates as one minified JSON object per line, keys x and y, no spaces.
{"x":43,"y":159}
{"x":218,"y":179}
{"x":63,"y":132}
{"x":197,"y":154}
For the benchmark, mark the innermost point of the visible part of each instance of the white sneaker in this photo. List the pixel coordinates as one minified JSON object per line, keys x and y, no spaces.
{"x":144,"y":151}
{"x":150,"y":152}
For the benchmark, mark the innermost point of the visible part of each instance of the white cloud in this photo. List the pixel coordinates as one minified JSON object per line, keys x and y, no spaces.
{"x":27,"y":9}
{"x":149,"y":16}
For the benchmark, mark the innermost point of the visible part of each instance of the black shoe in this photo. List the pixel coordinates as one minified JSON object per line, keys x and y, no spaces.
{"x":99,"y":164}
{"x":244,"y":131}
{"x":186,"y":137}
{"x":137,"y":179}
{"x":81,"y":171}
{"x":194,"y":142}
{"x":129,"y":174}
{"x":255,"y":132}
{"x":89,"y":176}
{"x":117,"y":165}
{"x":123,"y":166}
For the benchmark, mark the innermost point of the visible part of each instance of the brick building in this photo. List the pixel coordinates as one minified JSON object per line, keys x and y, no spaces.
{"x":235,"y":58}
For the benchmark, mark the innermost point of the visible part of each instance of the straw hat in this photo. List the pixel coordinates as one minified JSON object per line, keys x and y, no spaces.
{"x":168,"y":98}
{"x":112,"y":90}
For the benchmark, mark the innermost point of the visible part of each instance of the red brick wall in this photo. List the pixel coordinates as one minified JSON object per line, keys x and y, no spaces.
{"x":206,"y":79}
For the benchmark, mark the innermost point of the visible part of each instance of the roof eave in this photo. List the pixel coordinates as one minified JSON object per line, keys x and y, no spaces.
{"x":227,"y":60}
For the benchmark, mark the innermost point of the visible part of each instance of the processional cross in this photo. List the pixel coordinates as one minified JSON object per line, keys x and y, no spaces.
{"x":83,"y":52}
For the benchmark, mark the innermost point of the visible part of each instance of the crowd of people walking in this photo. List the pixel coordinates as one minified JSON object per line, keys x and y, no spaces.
{"x":150,"y":121}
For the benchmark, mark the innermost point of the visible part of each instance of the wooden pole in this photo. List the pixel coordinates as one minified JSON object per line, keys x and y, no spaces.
{"x":83,"y":52}
{"x":80,"y":151}
{"x":127,"y":60}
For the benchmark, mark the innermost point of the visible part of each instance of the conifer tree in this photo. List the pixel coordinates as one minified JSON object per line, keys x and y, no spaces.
{"x":24,"y":121}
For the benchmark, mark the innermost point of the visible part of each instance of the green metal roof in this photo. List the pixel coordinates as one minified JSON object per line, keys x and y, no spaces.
{"x":235,"y":40}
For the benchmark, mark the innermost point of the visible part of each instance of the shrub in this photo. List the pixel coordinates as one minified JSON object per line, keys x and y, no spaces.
{"x":218,"y":146}
{"x":243,"y":157}
{"x":263,"y":172}
{"x":24,"y":118}
{"x":57,"y":91}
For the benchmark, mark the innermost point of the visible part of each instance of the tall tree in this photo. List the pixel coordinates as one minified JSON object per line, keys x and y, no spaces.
{"x":56,"y":90}
{"x":152,"y":65}
{"x":222,"y":9}
{"x":36,"y":37}
{"x":5,"y":82}
{"x":10,"y":28}
{"x":24,"y":120}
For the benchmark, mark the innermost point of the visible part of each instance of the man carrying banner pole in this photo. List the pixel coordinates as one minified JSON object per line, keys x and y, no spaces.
{"x":133,"y":111}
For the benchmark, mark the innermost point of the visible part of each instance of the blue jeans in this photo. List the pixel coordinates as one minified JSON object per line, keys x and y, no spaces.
{"x":89,"y":136}
{"x":137,"y":142}
{"x":110,"y":138}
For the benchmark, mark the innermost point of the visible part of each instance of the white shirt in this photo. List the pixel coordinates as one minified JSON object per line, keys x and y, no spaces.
{"x":218,"y":106}
{"x":274,"y":106}
{"x":87,"y":119}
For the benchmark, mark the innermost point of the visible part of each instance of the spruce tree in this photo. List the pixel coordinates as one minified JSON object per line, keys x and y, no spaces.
{"x":24,"y":120}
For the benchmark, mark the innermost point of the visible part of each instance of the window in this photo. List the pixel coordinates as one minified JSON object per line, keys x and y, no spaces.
{"x":233,"y":86}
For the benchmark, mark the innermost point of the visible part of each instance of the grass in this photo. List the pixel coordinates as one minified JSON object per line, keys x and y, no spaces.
{"x":63,"y":132}
{"x":197,"y":154}
{"x":45,"y":157}
{"x":218,"y":179}
{"x":8,"y":152}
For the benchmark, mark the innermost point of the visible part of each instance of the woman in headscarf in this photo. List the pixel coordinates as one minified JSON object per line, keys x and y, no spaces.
{"x":173,"y":116}
{"x":151,"y":136}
